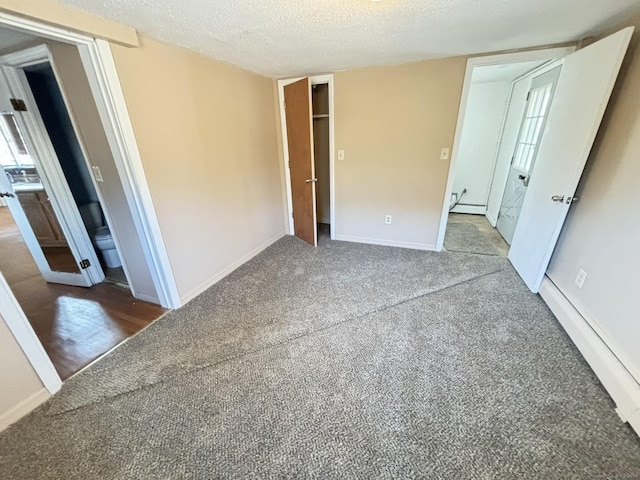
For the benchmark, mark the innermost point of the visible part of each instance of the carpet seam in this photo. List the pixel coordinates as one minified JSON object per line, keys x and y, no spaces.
{"x":283,"y":342}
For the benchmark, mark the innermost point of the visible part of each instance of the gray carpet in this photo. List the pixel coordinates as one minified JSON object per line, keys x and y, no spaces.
{"x":346,"y":361}
{"x":465,"y":237}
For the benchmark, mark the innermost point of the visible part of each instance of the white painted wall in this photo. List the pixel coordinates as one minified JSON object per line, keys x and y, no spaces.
{"x":602,"y":233}
{"x":515,"y":111}
{"x":480,"y":140}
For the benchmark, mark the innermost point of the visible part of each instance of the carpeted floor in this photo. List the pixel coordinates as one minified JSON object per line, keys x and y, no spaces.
{"x":345,"y":361}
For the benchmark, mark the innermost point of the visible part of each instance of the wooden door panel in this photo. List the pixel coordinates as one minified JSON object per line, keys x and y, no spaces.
{"x":297,"y":98}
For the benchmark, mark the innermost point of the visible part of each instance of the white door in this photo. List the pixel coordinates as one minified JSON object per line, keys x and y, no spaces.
{"x":583,"y":91}
{"x":38,"y":195}
{"x":539,"y":100}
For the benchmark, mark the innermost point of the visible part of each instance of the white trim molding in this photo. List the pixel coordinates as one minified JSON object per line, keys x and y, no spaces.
{"x":470,"y":209}
{"x":23,"y":408}
{"x":499,"y":59}
{"x":27,"y":339}
{"x":616,"y":379}
{"x":109,"y":97}
{"x":314,"y":80}
{"x":226,"y":271}
{"x":105,"y":84}
{"x":386,"y":243}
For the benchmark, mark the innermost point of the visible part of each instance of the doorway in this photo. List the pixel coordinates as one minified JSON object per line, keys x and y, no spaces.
{"x":503,"y":123}
{"x":559,"y":152}
{"x":321,"y":156}
{"x":53,"y":211}
{"x":490,"y":127}
{"x":309,"y":156}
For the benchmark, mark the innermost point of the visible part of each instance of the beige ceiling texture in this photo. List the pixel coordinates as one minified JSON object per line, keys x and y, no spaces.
{"x":280,"y":38}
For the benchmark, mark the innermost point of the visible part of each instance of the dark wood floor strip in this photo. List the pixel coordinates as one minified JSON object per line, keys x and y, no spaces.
{"x":75,"y":325}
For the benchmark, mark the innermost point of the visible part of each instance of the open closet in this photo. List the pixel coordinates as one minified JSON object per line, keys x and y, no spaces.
{"x":307,"y":130}
{"x":320,"y":104}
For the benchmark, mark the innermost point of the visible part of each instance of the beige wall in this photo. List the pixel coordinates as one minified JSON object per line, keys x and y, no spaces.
{"x":602,"y":232}
{"x":75,"y":85}
{"x":392,"y":123}
{"x":18,"y":379}
{"x":207,"y":137}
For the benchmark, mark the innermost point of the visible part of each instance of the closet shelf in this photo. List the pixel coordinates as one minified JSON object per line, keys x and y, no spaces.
{"x":321,"y":115}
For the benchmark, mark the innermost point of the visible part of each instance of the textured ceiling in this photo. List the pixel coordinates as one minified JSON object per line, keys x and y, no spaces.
{"x":281,"y":38}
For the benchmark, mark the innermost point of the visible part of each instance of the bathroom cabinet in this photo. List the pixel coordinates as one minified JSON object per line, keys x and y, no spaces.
{"x":42,"y":218}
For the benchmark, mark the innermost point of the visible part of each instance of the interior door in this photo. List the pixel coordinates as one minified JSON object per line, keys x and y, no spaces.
{"x":583,"y":91}
{"x":36,"y":191}
{"x":297,"y":101}
{"x":539,"y":100}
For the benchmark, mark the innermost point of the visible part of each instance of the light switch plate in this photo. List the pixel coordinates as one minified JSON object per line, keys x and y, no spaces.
{"x":97,"y":174}
{"x":444,"y":153}
{"x":340,"y":154}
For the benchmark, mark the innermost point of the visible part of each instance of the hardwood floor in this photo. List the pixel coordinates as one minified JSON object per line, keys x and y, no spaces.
{"x":75,"y":325}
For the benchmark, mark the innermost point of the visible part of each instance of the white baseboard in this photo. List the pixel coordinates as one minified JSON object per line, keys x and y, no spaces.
{"x":611,"y":372}
{"x":472,"y":209}
{"x":147,"y":298}
{"x":386,"y":243}
{"x":17,"y":412}
{"x":492,"y":221}
{"x":220,"y":275}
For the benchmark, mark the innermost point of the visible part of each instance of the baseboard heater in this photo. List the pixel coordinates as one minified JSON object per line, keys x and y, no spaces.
{"x":616,"y":379}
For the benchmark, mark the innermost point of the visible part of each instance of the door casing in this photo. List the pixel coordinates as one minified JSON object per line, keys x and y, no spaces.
{"x":48,"y":165}
{"x":314,"y":80}
{"x":526,"y":56}
{"x":107,"y":93}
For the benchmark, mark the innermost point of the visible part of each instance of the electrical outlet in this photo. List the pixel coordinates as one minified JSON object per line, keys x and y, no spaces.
{"x":340,"y":154}
{"x":444,"y":154}
{"x":580,"y":278}
{"x":387,"y":219}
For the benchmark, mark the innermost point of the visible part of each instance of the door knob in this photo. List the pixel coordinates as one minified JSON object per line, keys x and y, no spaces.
{"x":311,"y":180}
{"x":558,"y":198}
{"x":571,"y":200}
{"x":525,"y":179}
{"x":7,"y":194}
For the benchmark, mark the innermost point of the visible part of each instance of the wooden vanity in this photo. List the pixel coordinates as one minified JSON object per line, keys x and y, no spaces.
{"x":43,"y":220}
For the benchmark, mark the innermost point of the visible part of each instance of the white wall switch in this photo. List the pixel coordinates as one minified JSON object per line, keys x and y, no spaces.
{"x":97,"y":174}
{"x":340,"y":154}
{"x":444,"y":153}
{"x":387,"y":219}
{"x":580,"y":278}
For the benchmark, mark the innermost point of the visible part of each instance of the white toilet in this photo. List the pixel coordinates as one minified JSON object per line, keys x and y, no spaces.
{"x":100,"y":234}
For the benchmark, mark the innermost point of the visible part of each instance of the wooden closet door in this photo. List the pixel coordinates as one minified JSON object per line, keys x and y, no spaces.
{"x":297,"y":98}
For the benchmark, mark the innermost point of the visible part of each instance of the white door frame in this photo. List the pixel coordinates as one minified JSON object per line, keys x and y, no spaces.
{"x":531,"y":74}
{"x":314,"y":80}
{"x":52,"y":176}
{"x":528,"y":56}
{"x":27,"y":338}
{"x":107,"y":92}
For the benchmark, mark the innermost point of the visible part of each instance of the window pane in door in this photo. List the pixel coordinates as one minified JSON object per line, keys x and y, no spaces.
{"x":532,"y":127}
